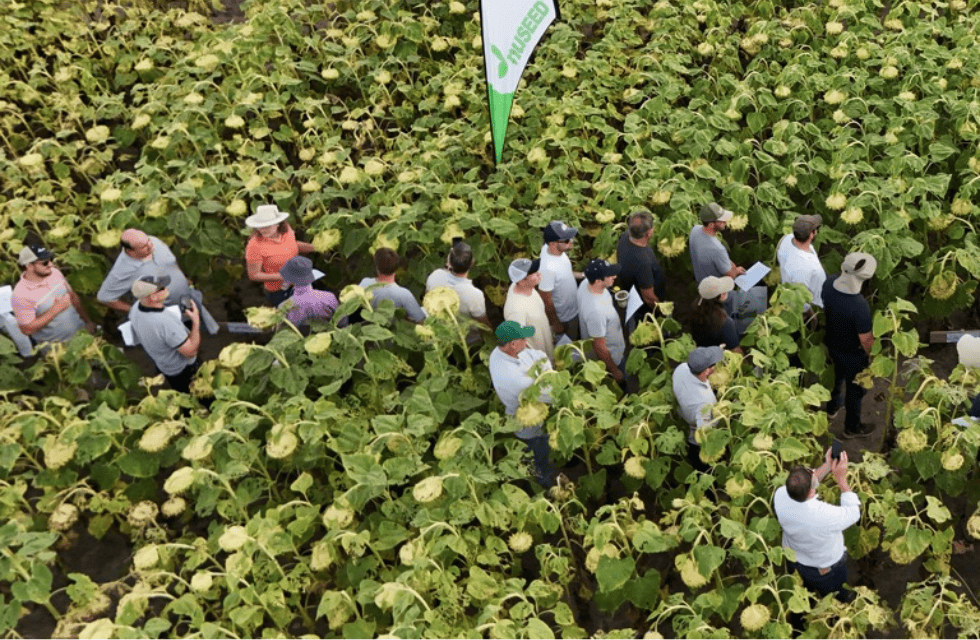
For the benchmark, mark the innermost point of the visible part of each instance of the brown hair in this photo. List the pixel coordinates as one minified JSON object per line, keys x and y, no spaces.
{"x":386,"y":261}
{"x":282,"y":229}
{"x":798,"y":483}
{"x":709,"y":315}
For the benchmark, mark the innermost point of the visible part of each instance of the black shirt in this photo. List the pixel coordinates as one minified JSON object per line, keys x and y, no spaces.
{"x":848,"y":315}
{"x":640,"y":267}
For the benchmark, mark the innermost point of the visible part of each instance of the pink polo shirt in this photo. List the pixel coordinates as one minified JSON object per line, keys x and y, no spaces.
{"x":29,"y":299}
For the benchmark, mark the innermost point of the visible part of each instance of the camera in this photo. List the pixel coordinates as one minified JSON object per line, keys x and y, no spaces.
{"x":186,"y":304}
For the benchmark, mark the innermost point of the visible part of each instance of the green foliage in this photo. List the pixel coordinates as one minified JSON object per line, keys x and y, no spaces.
{"x":363,"y":481}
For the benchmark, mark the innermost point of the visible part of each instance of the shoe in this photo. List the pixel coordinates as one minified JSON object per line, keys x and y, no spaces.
{"x":864,"y":429}
{"x":833,"y":412}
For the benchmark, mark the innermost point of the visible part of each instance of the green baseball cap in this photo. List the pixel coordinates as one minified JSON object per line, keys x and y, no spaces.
{"x":508,"y":331}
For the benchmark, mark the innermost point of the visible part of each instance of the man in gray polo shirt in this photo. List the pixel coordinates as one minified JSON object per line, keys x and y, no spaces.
{"x":144,"y":255}
{"x":386,"y":263}
{"x":599,"y":320}
{"x":163,"y":336}
{"x":709,"y":257}
{"x":695,"y":396}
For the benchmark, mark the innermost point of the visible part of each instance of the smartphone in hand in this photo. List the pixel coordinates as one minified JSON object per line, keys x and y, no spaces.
{"x":835,"y":449}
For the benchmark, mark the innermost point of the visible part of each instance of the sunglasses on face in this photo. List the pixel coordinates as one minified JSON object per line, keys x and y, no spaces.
{"x":43,"y":263}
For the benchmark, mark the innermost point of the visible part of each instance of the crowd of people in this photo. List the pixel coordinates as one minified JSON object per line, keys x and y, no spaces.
{"x":548,"y":302}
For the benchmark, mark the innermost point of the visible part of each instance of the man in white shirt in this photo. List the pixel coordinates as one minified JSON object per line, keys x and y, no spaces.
{"x":525,"y":306}
{"x":599,"y":320}
{"x":558,"y":286}
{"x":798,"y":261}
{"x":695,"y":396}
{"x":472,"y":302}
{"x":510,"y":364}
{"x":814,"y":530}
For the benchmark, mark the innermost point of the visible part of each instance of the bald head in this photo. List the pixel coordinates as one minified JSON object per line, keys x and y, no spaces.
{"x":136,"y":243}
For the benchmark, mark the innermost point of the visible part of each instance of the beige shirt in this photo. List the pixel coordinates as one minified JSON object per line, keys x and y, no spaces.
{"x":529,"y":311}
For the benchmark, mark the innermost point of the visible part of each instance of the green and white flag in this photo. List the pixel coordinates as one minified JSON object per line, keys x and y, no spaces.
{"x":511,"y":31}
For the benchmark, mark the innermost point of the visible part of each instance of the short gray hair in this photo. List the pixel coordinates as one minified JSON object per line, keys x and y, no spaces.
{"x":639,"y":222}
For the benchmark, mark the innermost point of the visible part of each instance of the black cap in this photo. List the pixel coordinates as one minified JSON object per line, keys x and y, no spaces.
{"x":599,"y":269}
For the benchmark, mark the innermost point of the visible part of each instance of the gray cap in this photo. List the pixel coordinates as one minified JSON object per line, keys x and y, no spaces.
{"x":148,"y":285}
{"x":33,"y":253}
{"x":806,"y":224}
{"x":714,"y":212}
{"x":522,"y":268}
{"x":704,"y":357}
{"x":856,"y":268}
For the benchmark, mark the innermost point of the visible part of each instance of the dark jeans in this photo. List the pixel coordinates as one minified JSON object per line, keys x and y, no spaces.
{"x":182,"y":381}
{"x":846,"y":368}
{"x":694,"y":457}
{"x":830,"y":582}
{"x":543,"y":471}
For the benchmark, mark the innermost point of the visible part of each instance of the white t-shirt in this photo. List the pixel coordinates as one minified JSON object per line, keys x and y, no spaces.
{"x":694,"y":399}
{"x":472,"y":302}
{"x":529,"y":311}
{"x":815,"y":529}
{"x":509,"y":378}
{"x":801,"y":267}
{"x":598,"y":319}
{"x":558,"y":277}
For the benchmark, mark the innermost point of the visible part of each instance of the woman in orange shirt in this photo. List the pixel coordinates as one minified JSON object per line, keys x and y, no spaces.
{"x":271,"y":245}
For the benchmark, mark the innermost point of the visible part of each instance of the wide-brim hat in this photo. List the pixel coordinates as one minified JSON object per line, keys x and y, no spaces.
{"x":298,"y":271}
{"x":265,"y":216}
{"x":33,"y":253}
{"x":713,"y":286}
{"x":856,"y":268}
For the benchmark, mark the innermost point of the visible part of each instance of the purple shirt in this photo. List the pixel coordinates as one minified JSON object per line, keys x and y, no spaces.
{"x":308,"y":303}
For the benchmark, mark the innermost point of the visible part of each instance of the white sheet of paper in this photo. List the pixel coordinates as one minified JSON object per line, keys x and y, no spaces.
{"x":126,"y":329}
{"x":752,"y":277}
{"x":6,"y":293}
{"x":634,"y":303}
{"x":317,"y":274}
{"x":174,"y":310}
